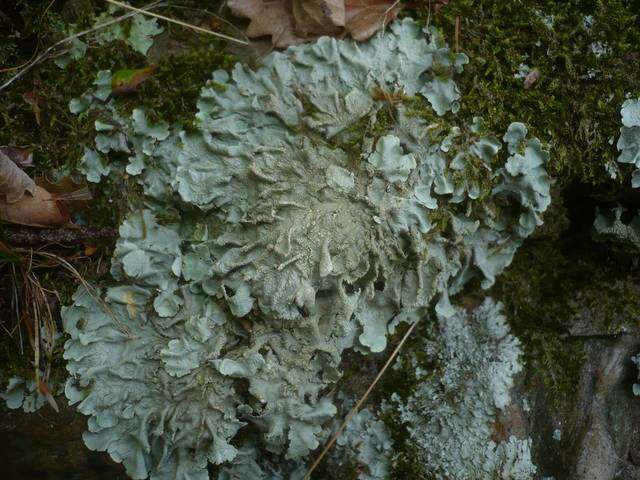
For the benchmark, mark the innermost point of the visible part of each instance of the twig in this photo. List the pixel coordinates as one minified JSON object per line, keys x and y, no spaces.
{"x":177,"y":22}
{"x":24,"y":236}
{"x":45,"y":55}
{"x":217,"y":17}
{"x":357,"y":406}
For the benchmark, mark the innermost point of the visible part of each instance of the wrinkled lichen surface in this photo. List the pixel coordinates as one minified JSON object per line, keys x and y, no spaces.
{"x":584,"y":53}
{"x":276,"y":236}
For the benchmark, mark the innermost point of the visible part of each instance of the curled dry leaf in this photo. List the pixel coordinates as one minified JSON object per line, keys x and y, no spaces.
{"x":46,"y":393}
{"x":319,"y":17}
{"x":41,"y":204}
{"x":37,"y":210}
{"x":290,"y":22}
{"x":71,"y":196}
{"x":268,"y":18}
{"x":22,"y":156}
{"x":13,"y":181}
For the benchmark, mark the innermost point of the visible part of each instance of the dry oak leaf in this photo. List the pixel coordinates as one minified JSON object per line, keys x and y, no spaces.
{"x":366,"y":17}
{"x":24,"y":202}
{"x":14,"y":183}
{"x":22,"y":156}
{"x":274,"y":18}
{"x":290,"y":22}
{"x":319,"y":17}
{"x":39,"y":209}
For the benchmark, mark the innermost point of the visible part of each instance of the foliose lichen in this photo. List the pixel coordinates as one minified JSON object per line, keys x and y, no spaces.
{"x":366,"y":444}
{"x":23,"y":393}
{"x":463,"y":382}
{"x":636,"y":386}
{"x":137,"y":32}
{"x":629,"y":141}
{"x":610,"y":225}
{"x":363,"y":451}
{"x":265,"y":247}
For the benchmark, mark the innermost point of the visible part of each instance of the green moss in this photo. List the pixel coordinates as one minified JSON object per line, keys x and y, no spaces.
{"x":172,"y":91}
{"x":551,"y":283}
{"x":170,"y":94}
{"x":575,"y":104}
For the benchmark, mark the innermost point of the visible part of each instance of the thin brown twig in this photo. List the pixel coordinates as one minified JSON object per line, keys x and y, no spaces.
{"x":17,"y":67}
{"x":46,"y":9}
{"x":36,"y":328}
{"x":357,"y":406}
{"x":46,"y":54}
{"x":26,"y":236}
{"x":386,"y":12}
{"x":16,"y":304}
{"x":177,"y":22}
{"x":217,"y":17}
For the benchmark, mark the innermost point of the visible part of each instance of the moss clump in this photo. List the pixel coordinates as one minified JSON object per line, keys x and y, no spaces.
{"x":550,"y":284}
{"x":574,"y":105}
{"x":170,"y":95}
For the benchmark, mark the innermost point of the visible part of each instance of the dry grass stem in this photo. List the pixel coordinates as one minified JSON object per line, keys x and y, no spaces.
{"x":357,"y":406}
{"x":49,"y":52}
{"x":178,"y":22}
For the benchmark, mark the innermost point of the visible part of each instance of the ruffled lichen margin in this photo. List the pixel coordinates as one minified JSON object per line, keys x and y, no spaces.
{"x":311,"y":211}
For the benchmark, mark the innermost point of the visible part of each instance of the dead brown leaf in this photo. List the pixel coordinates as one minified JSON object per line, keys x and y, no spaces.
{"x":14,"y":183}
{"x":128,"y":80}
{"x":274,"y":19}
{"x":290,"y":22}
{"x":38,"y":204}
{"x":44,"y":390}
{"x":71,"y":196}
{"x":318,"y":17}
{"x":366,"y":17}
{"x":39,"y":209}
{"x":22,"y":156}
